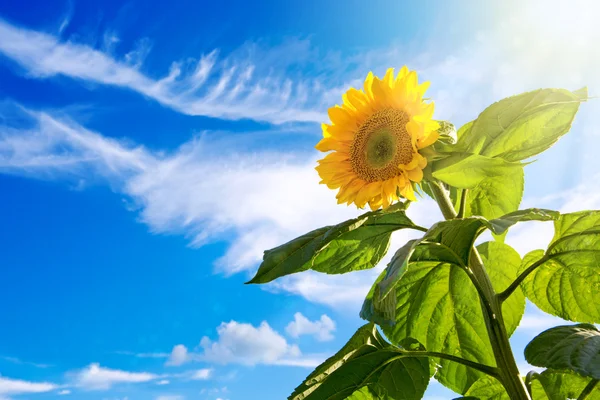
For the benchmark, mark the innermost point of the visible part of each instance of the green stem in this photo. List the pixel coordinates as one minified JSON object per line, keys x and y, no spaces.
{"x":442,"y":198}
{"x":420,"y":228}
{"x":486,"y":369}
{"x":588,"y":389}
{"x":529,"y":380}
{"x":463,"y":203}
{"x":513,"y":286}
{"x":509,"y":374}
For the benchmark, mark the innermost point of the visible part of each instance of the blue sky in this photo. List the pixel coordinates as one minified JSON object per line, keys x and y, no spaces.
{"x":150,"y":151}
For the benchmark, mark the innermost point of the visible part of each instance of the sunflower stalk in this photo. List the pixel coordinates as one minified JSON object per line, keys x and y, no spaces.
{"x":509,"y":374}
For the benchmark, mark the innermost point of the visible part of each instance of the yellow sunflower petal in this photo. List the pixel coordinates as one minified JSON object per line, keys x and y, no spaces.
{"x":366,"y":193}
{"x":367,"y":85}
{"x":408,"y":192}
{"x":347,"y":193}
{"x":389,"y":77}
{"x":339,"y":116}
{"x":428,"y":140}
{"x":402,"y":73}
{"x":375,"y":203}
{"x":329,"y":144}
{"x":415,"y":175}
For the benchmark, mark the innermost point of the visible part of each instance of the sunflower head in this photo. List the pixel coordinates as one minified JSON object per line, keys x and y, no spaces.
{"x":374,"y":139}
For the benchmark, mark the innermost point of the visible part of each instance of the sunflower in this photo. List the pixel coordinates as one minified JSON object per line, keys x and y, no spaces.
{"x":375,"y":137}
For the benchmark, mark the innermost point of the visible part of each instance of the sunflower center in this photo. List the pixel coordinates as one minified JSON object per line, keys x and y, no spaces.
{"x":380,"y":145}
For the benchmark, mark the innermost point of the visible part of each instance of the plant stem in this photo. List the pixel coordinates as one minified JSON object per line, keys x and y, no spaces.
{"x":463,"y":203}
{"x":492,"y":312}
{"x":588,"y":389}
{"x":528,"y":380}
{"x":486,"y":369}
{"x":443,"y":200}
{"x":513,"y":286}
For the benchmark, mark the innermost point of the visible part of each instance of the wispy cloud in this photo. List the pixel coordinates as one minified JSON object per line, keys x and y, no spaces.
{"x":170,"y":397}
{"x":10,"y":386}
{"x":18,"y":361}
{"x":221,"y":87}
{"x":95,"y":377}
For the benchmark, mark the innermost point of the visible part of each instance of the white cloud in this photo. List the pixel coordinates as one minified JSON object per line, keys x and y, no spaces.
{"x":163,"y":382}
{"x":179,"y":356}
{"x":321,"y":329}
{"x":245,"y":344}
{"x":95,"y":377}
{"x":170,"y":397}
{"x":10,"y":386}
{"x":64,"y":392}
{"x":201,"y":374}
{"x":224,"y":88}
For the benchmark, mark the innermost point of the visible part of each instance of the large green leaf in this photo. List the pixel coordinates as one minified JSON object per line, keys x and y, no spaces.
{"x":434,"y":300}
{"x":574,"y":347}
{"x":561,"y":385}
{"x":436,"y":303}
{"x":488,"y":388}
{"x":502,"y":264}
{"x":352,"y":245}
{"x":385,"y":369}
{"x":365,"y":339}
{"x":519,"y":127}
{"x":367,"y":367}
{"x":496,"y":196}
{"x":465,"y":171}
{"x":501,"y":224}
{"x":567,"y":282}
{"x":463,"y":130}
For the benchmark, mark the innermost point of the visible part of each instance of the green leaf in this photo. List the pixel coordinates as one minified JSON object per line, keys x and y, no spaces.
{"x":367,"y":393}
{"x":401,"y":378}
{"x":488,"y":388}
{"x":502,"y":264}
{"x":464,"y":129}
{"x":574,"y":347}
{"x":436,"y":303}
{"x":465,"y":171}
{"x":567,"y":281}
{"x":501,"y":225}
{"x":366,"y":339}
{"x":519,"y":127}
{"x":496,"y":196}
{"x":367,"y":366}
{"x":561,"y":385}
{"x":352,"y":245}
